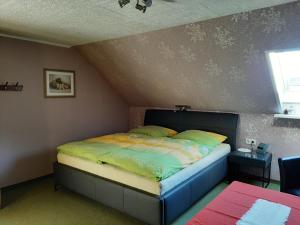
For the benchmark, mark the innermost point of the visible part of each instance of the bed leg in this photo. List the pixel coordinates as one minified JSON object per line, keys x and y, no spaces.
{"x":57,"y":187}
{"x":1,"y":205}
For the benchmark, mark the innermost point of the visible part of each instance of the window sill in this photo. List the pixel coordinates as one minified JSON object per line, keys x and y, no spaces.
{"x":287,"y":116}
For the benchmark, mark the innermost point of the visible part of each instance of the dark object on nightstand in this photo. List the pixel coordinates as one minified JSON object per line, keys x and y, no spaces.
{"x":250,"y":166}
{"x":262,"y":148}
{"x":290,"y":175}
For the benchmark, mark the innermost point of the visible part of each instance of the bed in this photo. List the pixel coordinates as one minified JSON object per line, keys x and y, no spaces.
{"x":229,"y":206}
{"x":150,"y":201}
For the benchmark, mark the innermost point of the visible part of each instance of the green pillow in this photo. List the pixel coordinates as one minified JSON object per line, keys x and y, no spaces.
{"x":208,"y":139}
{"x":154,"y":131}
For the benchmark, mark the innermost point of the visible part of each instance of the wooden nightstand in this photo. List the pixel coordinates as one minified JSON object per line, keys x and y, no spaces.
{"x":250,"y":166}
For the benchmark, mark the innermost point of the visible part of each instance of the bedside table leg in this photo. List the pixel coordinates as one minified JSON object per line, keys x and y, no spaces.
{"x":263,"y":180}
{"x":269,"y":176}
{"x":268,"y":179}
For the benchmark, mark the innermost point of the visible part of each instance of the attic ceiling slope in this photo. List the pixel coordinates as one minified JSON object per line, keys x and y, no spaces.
{"x":219,"y":64}
{"x":72,"y":22}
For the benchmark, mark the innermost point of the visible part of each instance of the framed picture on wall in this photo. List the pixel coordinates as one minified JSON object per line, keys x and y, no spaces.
{"x":59,"y":83}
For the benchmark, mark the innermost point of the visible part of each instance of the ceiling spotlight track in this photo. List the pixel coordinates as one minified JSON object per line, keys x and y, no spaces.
{"x":141,"y":5}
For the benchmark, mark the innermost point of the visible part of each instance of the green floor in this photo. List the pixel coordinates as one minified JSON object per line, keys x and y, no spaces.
{"x":36,"y":203}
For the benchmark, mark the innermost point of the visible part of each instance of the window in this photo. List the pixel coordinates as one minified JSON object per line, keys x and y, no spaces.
{"x":285,"y":67}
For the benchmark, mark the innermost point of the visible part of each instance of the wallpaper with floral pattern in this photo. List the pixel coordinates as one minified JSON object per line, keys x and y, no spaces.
{"x":219,"y":64}
{"x":283,"y":141}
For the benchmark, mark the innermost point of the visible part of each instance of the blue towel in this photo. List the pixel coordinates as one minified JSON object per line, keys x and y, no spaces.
{"x":265,"y":212}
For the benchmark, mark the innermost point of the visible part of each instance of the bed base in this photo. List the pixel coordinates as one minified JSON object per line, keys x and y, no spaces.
{"x":151,"y":209}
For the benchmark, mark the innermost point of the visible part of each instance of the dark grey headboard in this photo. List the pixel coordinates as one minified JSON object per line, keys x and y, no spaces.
{"x":221,"y":123}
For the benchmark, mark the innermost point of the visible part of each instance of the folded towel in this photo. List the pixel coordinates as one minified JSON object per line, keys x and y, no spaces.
{"x":265,"y":212}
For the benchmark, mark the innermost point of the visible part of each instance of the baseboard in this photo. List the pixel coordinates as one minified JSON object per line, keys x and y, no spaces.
{"x":275,"y":181}
{"x":25,"y":182}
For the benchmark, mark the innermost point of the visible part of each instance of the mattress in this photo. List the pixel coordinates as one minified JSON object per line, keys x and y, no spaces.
{"x":139,"y":182}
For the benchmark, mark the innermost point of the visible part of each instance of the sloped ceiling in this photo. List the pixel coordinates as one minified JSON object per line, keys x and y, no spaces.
{"x":219,"y":64}
{"x":73,"y":22}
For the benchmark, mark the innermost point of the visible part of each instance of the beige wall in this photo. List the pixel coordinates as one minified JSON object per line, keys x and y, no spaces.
{"x":31,"y":126}
{"x":218,"y":64}
{"x":284,"y":141}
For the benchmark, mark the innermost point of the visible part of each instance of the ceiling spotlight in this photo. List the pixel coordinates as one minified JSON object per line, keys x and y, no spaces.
{"x":123,"y":2}
{"x":140,"y":7}
{"x":147,"y":3}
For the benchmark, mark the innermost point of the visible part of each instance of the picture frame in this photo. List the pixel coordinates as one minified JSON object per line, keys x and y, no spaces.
{"x":59,"y":83}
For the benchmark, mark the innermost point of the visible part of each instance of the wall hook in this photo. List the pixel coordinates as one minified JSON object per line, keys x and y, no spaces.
{"x":11,"y":87}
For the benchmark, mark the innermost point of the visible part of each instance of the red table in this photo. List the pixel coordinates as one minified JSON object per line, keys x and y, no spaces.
{"x":229,"y":206}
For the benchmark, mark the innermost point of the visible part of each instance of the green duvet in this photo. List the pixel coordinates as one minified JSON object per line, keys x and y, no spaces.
{"x":155,"y":158}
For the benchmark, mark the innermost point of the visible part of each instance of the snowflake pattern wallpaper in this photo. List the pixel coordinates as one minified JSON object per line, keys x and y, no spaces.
{"x":214,"y":65}
{"x":218,"y":64}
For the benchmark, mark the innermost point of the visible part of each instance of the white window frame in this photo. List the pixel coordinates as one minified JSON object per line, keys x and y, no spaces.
{"x":274,"y":84}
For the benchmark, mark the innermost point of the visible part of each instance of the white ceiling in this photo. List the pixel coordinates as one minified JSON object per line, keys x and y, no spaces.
{"x":74,"y":22}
